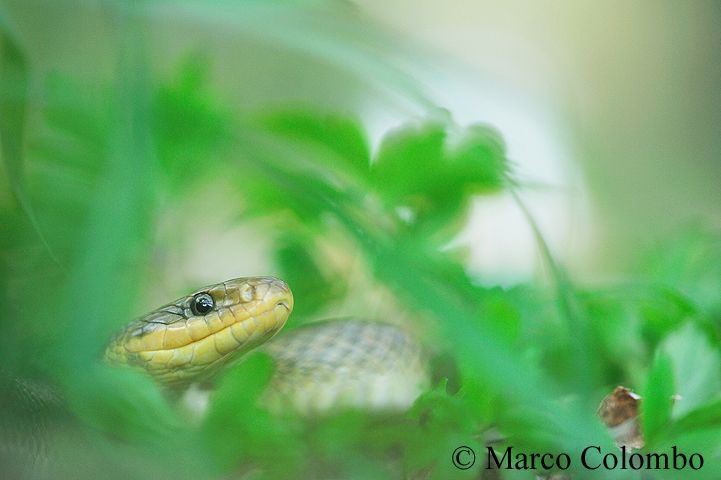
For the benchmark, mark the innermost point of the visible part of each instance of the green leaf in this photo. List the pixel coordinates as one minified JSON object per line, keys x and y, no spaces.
{"x":689,"y":263}
{"x":312,"y":287}
{"x":417,"y":168}
{"x":444,"y":422}
{"x":190,"y":126}
{"x":478,"y":160}
{"x":702,"y":417}
{"x":123,"y":403}
{"x":13,"y":101}
{"x":657,"y":398}
{"x":287,"y":188}
{"x":408,"y":165}
{"x":696,"y":367}
{"x":341,"y":140}
{"x":663,"y":310}
{"x":238,"y":431}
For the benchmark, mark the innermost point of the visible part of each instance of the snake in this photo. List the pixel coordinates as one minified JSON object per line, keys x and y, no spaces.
{"x":326,"y":365}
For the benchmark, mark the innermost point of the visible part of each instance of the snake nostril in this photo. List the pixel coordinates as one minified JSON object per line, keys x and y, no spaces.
{"x":283,"y":303}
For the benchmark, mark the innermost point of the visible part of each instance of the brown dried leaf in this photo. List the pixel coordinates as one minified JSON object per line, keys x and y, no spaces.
{"x":619,"y":412}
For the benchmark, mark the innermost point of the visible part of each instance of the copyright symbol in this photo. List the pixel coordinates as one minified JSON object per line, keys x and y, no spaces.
{"x":463,"y":457}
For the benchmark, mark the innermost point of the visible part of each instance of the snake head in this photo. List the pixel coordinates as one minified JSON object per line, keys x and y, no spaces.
{"x":191,"y":338}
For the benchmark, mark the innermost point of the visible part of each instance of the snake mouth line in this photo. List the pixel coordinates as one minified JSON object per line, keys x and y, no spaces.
{"x":282,"y":303}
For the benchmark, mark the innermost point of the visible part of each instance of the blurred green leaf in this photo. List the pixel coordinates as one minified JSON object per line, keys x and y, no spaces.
{"x":705,"y":442}
{"x":263,"y":198}
{"x":444,"y":423}
{"x":14,"y":84}
{"x":705,"y":416}
{"x":629,"y":321}
{"x":191,"y":127}
{"x":479,"y":158}
{"x":418,"y":169}
{"x":657,"y":398}
{"x":237,"y":431}
{"x":696,"y":368}
{"x":355,"y":444}
{"x":123,"y":404}
{"x":408,"y":163}
{"x":663,"y":310}
{"x":500,"y":305}
{"x":690,"y":263}
{"x":342,"y":143}
{"x":312,"y":287}
{"x":13,"y":98}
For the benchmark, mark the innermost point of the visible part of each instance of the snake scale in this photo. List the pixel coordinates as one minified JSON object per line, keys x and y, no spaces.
{"x":319,"y":367}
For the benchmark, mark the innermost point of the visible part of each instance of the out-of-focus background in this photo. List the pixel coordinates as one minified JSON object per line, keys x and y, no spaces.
{"x":619,"y":101}
{"x":609,"y":111}
{"x":543,"y":177}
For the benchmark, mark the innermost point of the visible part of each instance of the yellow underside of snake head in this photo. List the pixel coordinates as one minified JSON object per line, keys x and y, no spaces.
{"x":177,"y":344}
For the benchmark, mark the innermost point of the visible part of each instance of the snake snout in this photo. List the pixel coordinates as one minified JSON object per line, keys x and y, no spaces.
{"x":282,"y":295}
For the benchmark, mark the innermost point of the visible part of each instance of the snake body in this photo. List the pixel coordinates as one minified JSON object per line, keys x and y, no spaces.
{"x":345,"y":363}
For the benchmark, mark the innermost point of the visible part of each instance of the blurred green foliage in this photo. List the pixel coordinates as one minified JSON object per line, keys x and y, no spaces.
{"x":92,"y":174}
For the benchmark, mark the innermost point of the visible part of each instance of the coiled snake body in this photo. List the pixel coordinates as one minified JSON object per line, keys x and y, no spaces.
{"x":344,"y":363}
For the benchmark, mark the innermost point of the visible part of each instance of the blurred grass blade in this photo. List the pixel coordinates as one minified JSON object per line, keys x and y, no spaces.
{"x":103,"y":281}
{"x":118,"y":224}
{"x":583,"y":346}
{"x":14,"y":85}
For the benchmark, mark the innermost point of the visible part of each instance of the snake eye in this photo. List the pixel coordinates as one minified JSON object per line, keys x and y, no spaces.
{"x":201,"y":304}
